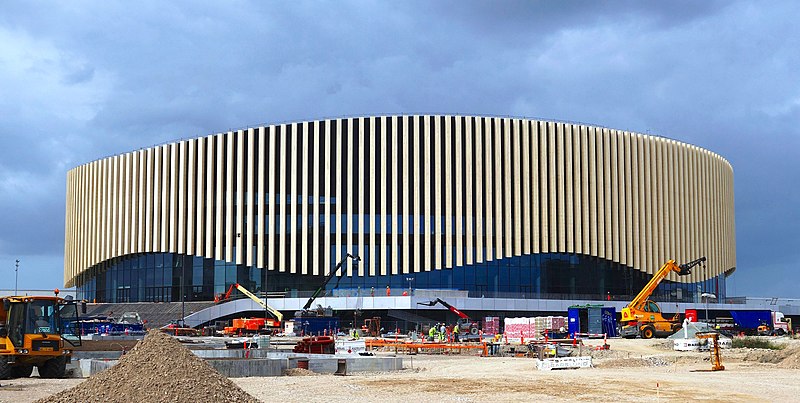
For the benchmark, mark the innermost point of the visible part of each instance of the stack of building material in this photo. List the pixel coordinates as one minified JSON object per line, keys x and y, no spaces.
{"x":491,"y":325}
{"x":554,"y":323}
{"x":520,"y":329}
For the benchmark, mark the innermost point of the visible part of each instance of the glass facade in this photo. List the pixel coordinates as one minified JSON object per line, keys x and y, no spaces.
{"x":160,"y":277}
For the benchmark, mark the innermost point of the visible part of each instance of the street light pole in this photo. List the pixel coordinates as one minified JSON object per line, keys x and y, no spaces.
{"x":410,"y":279}
{"x":16,"y":270}
{"x":707,"y":296}
{"x":183,"y":291}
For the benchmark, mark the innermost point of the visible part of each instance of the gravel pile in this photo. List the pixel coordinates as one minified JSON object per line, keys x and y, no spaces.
{"x":157,"y":369}
{"x":633,"y":363}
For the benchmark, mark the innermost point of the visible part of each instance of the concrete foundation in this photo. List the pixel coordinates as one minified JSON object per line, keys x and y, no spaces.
{"x":232,"y":364}
{"x":249,"y":367}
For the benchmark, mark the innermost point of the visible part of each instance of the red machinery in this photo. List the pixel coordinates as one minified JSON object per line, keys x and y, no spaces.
{"x":465,"y":324}
{"x":220,"y":298}
{"x":315,"y":345}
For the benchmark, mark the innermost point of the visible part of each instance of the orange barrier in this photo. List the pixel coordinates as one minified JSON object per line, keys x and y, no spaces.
{"x":409,"y":347}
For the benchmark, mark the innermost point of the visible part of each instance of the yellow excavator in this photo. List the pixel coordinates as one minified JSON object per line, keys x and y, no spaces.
{"x":642,"y":317}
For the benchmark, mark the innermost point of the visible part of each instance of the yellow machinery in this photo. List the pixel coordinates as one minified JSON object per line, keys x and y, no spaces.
{"x":253,"y":325}
{"x":271,"y":310}
{"x":716,"y":362}
{"x":37,"y":331}
{"x":642,"y":317}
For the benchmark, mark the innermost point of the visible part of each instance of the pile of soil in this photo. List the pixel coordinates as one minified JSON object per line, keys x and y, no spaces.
{"x":763,"y":356}
{"x":790,"y":357}
{"x":157,"y":369}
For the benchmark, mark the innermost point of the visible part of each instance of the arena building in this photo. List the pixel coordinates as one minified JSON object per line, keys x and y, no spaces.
{"x":495,"y":207}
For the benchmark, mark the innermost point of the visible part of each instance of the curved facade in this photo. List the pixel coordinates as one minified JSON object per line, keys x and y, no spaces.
{"x":484,"y":204}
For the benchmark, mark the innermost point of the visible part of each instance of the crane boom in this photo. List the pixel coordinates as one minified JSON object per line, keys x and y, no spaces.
{"x":452,"y":309}
{"x":639,"y":302}
{"x":272,"y":310}
{"x":328,"y":278}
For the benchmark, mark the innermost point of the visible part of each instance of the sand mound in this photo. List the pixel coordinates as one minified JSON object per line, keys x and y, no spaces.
{"x":790,"y":357}
{"x":157,"y":369}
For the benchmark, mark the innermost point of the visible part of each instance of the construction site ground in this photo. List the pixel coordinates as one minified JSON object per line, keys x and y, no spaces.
{"x":631,"y":371}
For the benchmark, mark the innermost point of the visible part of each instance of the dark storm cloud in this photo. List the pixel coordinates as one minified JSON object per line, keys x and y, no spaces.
{"x":91,"y":79}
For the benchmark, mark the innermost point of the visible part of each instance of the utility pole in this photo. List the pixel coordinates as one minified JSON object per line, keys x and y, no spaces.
{"x":16,"y":270}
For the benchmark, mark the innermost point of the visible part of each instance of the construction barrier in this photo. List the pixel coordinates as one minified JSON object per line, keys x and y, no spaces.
{"x":563,"y":363}
{"x":413,"y":348}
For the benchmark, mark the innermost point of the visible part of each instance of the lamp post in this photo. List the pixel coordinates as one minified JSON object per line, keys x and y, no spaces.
{"x":410,"y":280}
{"x":707,"y":296}
{"x":183,"y":291}
{"x":266,"y":301}
{"x":16,"y":270}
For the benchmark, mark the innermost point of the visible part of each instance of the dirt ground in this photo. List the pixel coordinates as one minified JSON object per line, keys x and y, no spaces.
{"x":632,"y":371}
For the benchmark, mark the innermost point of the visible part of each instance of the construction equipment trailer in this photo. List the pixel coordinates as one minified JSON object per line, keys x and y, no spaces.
{"x":642,"y":317}
{"x":37,"y":331}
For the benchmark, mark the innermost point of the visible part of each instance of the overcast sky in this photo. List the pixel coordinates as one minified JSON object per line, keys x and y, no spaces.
{"x":84,"y":80}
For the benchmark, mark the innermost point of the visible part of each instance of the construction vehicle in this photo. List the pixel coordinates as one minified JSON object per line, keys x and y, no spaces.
{"x":253,"y":325}
{"x":642,"y":317}
{"x":716,"y":362}
{"x":466,"y":325}
{"x":306,"y":312}
{"x":37,"y":331}
{"x":224,"y":297}
{"x":372,"y":327}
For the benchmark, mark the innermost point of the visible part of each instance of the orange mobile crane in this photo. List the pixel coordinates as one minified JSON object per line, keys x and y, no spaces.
{"x":642,"y":317}
{"x":254,"y":325}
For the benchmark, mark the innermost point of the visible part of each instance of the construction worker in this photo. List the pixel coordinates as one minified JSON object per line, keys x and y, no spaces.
{"x":443,"y":332}
{"x":455,"y":333}
{"x":388,"y":291}
{"x":432,"y":333}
